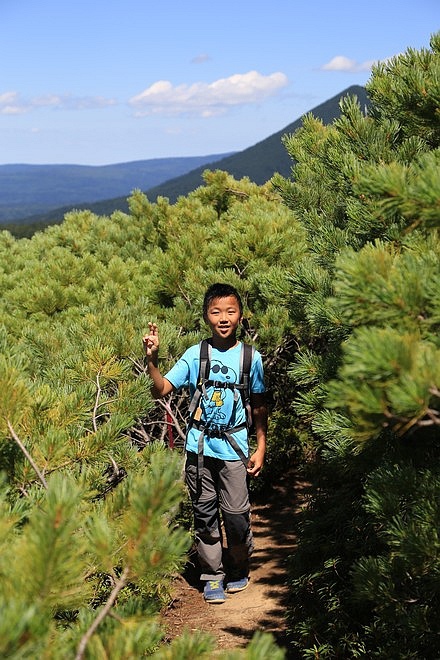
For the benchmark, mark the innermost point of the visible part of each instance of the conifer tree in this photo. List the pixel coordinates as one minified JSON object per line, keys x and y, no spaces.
{"x":366,"y":190}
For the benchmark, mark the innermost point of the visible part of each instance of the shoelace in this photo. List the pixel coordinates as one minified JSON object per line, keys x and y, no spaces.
{"x":214,"y":584}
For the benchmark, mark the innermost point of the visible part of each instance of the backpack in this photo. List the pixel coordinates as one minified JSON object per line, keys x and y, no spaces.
{"x":240,"y":389}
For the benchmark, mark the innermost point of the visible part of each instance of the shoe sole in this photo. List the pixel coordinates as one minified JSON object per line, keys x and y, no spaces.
{"x":216,"y":601}
{"x":235,"y":590}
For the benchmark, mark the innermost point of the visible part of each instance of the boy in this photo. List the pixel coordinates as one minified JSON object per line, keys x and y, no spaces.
{"x":215,"y":471}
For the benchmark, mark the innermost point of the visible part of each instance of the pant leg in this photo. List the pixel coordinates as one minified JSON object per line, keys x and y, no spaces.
{"x":205,"y":505}
{"x":235,"y":507}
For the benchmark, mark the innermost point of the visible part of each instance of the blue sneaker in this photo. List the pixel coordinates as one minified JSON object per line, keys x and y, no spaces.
{"x":213,"y":591}
{"x":237,"y":585}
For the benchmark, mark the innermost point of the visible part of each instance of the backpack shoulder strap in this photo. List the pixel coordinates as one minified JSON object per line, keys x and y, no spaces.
{"x":205,"y":361}
{"x":203,"y":375}
{"x":246,"y":358}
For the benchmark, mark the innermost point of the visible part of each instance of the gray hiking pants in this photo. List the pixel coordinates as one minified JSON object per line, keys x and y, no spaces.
{"x":223,"y":490}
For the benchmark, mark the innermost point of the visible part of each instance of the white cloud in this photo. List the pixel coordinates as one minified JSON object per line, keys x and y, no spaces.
{"x":207,"y":99}
{"x":12,"y":103}
{"x":342,"y":63}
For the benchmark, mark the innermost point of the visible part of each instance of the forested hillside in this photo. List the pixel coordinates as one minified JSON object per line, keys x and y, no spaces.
{"x":28,"y":190}
{"x":338,"y":266}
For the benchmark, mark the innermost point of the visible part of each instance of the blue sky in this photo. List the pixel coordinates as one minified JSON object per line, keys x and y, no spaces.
{"x":96,"y":82}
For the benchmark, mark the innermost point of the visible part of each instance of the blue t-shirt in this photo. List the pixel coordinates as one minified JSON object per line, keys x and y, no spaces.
{"x":218,"y":405}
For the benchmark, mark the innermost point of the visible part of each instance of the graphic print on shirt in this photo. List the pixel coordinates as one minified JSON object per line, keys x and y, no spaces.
{"x":221,"y":395}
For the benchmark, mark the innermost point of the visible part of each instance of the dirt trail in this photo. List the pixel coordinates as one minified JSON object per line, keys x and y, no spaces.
{"x":262,"y":605}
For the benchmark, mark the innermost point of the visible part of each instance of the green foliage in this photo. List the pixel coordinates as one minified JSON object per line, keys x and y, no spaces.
{"x":407,"y":88}
{"x":364,"y":298}
{"x":53,"y":563}
{"x":338,"y":269}
{"x":92,"y":501}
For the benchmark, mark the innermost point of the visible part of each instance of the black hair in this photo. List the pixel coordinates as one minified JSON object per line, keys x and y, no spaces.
{"x":220,"y":290}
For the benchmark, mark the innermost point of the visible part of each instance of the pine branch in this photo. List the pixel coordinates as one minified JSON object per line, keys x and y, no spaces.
{"x":115,"y":466}
{"x":240,"y":271}
{"x":121,"y":582}
{"x":106,"y":403}
{"x":401,"y":425}
{"x":141,"y":432}
{"x":27,"y":454}
{"x":163,"y":433}
{"x":237,"y":193}
{"x":433,"y":415}
{"x":95,"y":408}
{"x":167,"y":407}
{"x":179,"y":405}
{"x":185,"y":296}
{"x":139,"y":366}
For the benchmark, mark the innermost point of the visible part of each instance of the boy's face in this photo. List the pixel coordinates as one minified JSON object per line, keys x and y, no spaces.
{"x":223,"y":317}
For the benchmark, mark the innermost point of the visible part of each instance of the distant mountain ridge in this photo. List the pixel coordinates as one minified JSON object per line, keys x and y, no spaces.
{"x":258,"y":162}
{"x":29,"y":189}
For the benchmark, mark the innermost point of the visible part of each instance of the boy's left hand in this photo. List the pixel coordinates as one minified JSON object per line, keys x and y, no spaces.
{"x":255,"y":463}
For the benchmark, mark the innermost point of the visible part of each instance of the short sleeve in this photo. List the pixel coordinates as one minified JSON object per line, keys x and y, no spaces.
{"x":257,"y":375}
{"x":179,"y":374}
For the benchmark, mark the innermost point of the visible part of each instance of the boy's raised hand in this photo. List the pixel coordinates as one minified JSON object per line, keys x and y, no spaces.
{"x":151,"y":340}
